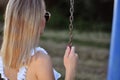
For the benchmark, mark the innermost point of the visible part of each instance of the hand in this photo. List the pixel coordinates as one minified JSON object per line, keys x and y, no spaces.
{"x":70,"y":60}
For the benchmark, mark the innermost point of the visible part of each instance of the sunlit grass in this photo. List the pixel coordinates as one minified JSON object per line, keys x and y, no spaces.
{"x":92,"y":48}
{"x":101,"y":40}
{"x":92,"y":60}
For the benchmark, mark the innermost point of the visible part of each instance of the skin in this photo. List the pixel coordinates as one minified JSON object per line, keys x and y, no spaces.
{"x":41,"y":67}
{"x":70,"y":63}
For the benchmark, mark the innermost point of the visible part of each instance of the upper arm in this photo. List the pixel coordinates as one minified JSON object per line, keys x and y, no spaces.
{"x":43,"y":65}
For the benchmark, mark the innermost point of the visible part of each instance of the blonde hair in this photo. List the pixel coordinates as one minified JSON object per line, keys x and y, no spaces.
{"x":21,"y":31}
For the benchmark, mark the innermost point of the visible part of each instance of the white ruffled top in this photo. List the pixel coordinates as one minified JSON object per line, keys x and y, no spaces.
{"x":21,"y":75}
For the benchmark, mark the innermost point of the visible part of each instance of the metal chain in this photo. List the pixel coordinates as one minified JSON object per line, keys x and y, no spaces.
{"x":71,"y":18}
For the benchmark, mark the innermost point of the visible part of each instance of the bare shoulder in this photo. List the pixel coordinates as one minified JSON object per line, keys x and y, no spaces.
{"x":43,"y":66}
{"x":40,"y":58}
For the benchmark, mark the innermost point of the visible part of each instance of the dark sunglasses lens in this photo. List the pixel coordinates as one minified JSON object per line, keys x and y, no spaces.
{"x":47,"y":16}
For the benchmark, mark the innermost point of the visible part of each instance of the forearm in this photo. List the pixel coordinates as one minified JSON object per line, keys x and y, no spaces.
{"x":70,"y":75}
{"x":70,"y":63}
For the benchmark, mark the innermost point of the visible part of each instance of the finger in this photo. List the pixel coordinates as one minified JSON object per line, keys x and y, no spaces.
{"x":76,"y":54}
{"x":72,"y":50}
{"x":67,"y":51}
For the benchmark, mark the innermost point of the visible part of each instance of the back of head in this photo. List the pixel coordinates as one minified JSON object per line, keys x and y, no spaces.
{"x":21,"y":31}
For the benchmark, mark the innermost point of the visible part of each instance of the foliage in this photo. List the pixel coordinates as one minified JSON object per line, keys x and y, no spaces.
{"x":1,"y":18}
{"x":89,"y":15}
{"x":57,"y":21}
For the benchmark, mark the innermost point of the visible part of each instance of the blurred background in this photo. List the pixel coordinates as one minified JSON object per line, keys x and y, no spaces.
{"x":92,"y":32}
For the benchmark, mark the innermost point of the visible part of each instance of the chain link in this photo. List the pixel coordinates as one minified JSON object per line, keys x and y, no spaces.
{"x":71,"y":18}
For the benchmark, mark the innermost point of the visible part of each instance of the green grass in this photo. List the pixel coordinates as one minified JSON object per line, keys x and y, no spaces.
{"x":92,"y":48}
{"x":100,"y":40}
{"x":78,"y":42}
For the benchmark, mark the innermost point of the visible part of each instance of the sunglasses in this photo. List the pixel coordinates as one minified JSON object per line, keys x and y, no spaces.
{"x":47,"y":16}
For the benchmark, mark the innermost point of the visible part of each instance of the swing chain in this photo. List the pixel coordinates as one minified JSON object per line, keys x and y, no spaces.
{"x":71,"y":18}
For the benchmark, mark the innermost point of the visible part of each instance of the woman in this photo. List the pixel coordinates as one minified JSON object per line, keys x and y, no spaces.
{"x":20,"y":57}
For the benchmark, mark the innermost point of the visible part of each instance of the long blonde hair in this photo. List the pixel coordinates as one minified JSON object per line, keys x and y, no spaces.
{"x":21,"y":31}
